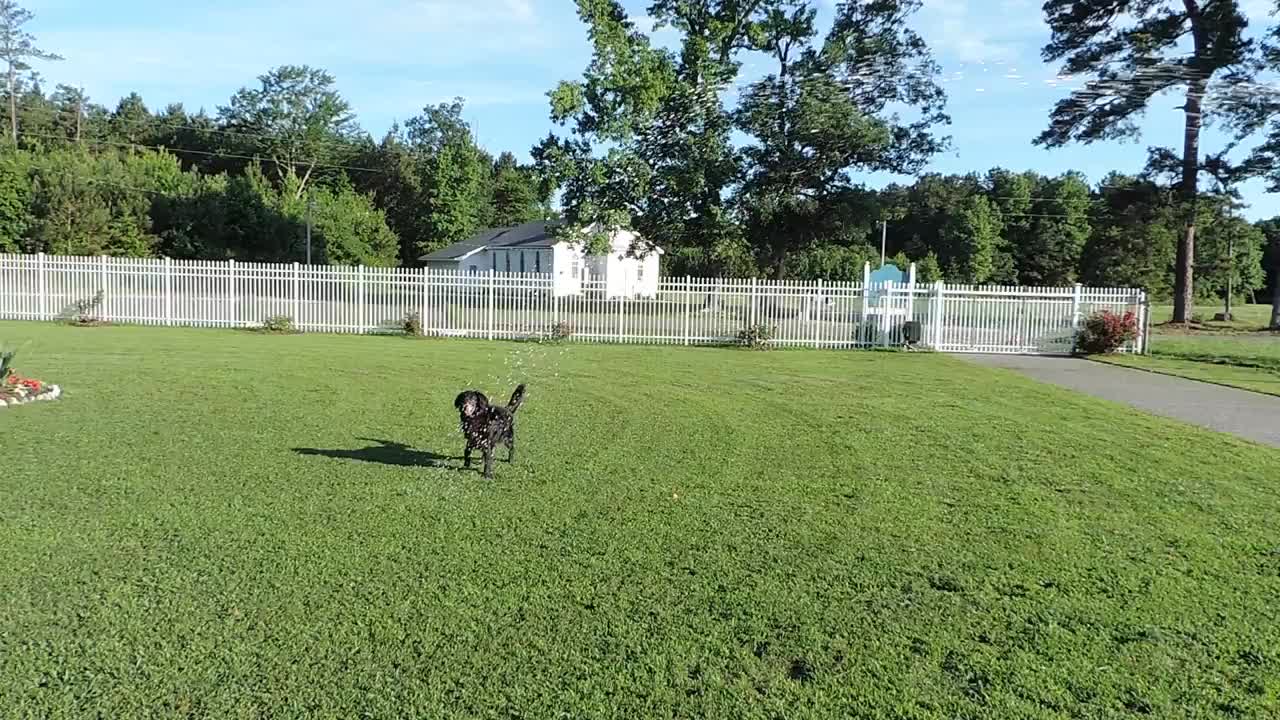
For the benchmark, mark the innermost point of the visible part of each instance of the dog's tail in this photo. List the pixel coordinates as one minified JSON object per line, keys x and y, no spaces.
{"x":517,"y":398}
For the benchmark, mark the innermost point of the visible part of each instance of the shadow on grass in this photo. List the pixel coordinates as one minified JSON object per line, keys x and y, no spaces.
{"x":385,"y":452}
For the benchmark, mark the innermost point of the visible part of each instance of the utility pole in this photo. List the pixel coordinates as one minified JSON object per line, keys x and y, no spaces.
{"x":79,"y":112}
{"x":310,"y":203}
{"x":884,"y":236}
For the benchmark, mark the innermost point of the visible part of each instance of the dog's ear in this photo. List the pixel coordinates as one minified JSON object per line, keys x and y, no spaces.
{"x":457,"y":402}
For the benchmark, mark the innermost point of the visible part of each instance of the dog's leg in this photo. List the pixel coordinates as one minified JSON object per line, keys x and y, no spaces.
{"x":511,"y":446}
{"x":466,"y":456}
{"x":488,"y":461}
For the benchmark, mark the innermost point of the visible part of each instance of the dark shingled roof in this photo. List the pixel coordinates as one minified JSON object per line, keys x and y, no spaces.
{"x":528,"y":235}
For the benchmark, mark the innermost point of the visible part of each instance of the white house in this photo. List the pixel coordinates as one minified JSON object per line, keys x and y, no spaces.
{"x":528,"y":248}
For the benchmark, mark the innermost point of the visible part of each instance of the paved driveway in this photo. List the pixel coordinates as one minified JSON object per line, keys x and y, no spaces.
{"x":1245,"y":414}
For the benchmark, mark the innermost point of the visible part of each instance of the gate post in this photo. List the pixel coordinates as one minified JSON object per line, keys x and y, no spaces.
{"x":936,"y":326}
{"x":1075,"y":307}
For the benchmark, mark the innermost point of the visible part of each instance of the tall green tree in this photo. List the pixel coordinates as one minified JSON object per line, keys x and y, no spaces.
{"x":15,"y":198}
{"x":972,"y":239}
{"x":620,"y":96}
{"x":454,"y":177}
{"x":295,"y":119}
{"x":131,"y":121}
{"x":689,"y":147}
{"x":831,"y":108}
{"x":1133,"y":51}
{"x":1134,"y":235}
{"x":17,"y":49}
{"x":1012,"y":196}
{"x":515,"y":195}
{"x":396,"y":187}
{"x":1230,"y":255}
{"x":1270,"y":229}
{"x":1060,"y":229}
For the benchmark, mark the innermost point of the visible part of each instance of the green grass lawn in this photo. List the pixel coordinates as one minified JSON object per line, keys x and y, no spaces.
{"x":1246,"y":317}
{"x":1257,"y":350}
{"x":1246,"y":378}
{"x":1222,"y":355}
{"x":229,"y":525}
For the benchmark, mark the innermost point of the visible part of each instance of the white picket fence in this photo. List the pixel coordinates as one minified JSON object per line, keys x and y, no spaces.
{"x":952,"y":318}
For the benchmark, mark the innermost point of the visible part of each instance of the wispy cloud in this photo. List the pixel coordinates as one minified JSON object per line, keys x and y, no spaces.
{"x":980,"y":32}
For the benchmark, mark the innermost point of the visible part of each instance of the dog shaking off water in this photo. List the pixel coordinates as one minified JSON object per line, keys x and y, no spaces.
{"x":487,"y":426}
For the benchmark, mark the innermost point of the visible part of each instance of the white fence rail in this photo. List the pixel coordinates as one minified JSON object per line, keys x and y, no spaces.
{"x":952,"y":318}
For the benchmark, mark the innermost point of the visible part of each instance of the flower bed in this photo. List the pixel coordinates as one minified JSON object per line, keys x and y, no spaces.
{"x":17,"y":390}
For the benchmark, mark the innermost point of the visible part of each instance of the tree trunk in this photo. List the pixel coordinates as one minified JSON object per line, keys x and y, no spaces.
{"x":13,"y":108}
{"x":1275,"y":293}
{"x":1184,"y":272}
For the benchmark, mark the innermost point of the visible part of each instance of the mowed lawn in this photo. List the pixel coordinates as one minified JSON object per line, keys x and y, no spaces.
{"x":1246,"y":316}
{"x":1222,"y":355}
{"x":227,"y":525}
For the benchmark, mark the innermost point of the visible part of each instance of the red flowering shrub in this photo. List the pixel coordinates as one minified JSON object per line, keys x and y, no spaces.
{"x":1106,"y":332}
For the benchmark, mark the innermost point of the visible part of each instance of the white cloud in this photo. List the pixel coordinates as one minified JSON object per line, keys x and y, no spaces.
{"x":956,"y":32}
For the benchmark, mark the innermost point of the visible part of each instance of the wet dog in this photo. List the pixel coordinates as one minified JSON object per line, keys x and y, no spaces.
{"x":486,"y":426}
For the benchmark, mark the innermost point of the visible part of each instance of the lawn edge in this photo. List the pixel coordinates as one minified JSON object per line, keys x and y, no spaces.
{"x":1154,"y":371}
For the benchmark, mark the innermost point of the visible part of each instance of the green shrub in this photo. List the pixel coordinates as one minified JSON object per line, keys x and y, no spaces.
{"x":560,"y":332}
{"x":756,"y":337}
{"x":412,"y":324}
{"x":281,"y":324}
{"x":1106,"y":332}
{"x":6,"y":363}
{"x":83,"y":312}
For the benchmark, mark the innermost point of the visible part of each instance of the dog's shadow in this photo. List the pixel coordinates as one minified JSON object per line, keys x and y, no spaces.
{"x":386,"y":452}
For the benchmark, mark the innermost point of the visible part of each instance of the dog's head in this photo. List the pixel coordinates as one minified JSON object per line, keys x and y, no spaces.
{"x":471,"y":403}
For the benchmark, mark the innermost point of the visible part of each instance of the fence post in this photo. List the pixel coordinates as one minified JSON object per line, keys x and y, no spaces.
{"x":41,"y":287}
{"x":102,"y":283}
{"x":297,"y":295}
{"x":360,"y":314}
{"x":491,"y":281}
{"x":1075,"y":308}
{"x":168,"y":291}
{"x":755,"y":302}
{"x":1144,"y":325}
{"x":815,"y":305}
{"x":935,"y":330}
{"x":866,"y":288}
{"x":910,"y":314}
{"x":886,"y":305}
{"x":621,"y":303}
{"x":688,"y":302}
{"x":555,"y":304}
{"x":233,"y":315}
{"x":426,"y":292}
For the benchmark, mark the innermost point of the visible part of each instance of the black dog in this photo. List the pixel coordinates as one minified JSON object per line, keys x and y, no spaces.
{"x":487,"y":426}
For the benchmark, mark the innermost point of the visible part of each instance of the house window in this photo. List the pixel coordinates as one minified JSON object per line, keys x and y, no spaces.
{"x":521,"y":261}
{"x":537,"y":263}
{"x":473,"y":269}
{"x":495,"y":261}
{"x":574,"y":274}
{"x":508,"y":254}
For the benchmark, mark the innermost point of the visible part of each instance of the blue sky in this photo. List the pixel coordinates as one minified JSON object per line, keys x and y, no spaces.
{"x":392,"y":57}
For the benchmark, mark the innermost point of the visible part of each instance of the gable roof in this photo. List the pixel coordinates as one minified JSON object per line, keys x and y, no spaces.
{"x":528,"y":235}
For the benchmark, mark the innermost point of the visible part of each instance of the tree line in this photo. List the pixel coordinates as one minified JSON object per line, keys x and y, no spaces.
{"x":730,"y":175}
